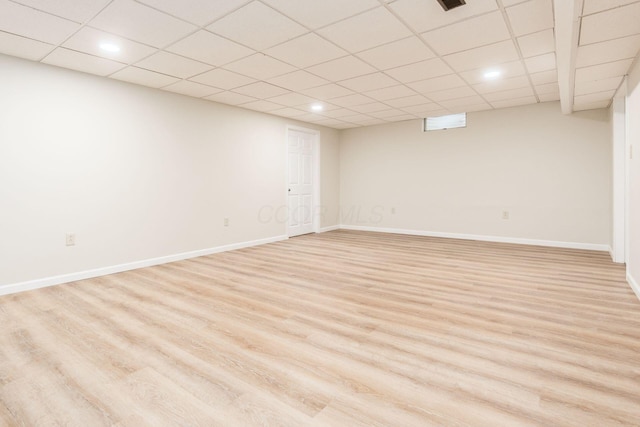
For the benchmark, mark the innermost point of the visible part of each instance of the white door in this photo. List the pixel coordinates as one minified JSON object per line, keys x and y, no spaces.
{"x":300,"y":183}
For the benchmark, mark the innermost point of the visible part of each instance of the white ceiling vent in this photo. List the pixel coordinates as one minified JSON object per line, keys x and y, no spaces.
{"x":451,"y":4}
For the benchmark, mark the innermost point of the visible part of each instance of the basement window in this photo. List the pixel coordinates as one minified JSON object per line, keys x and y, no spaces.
{"x":451,"y":121}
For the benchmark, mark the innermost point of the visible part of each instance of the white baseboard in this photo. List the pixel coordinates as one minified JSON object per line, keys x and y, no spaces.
{"x":498,"y":239}
{"x":331,"y":228}
{"x":634,"y":285}
{"x":88,"y":274}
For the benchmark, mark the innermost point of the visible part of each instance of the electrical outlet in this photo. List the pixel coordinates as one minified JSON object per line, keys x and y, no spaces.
{"x":393,"y":210}
{"x":71,"y":239}
{"x":226,"y":222}
{"x":505,"y":214}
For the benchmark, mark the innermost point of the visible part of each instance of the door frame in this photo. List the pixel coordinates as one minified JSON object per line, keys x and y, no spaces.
{"x":316,"y":216}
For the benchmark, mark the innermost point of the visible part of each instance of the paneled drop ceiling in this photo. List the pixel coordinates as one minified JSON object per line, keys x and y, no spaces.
{"x":364,"y":61}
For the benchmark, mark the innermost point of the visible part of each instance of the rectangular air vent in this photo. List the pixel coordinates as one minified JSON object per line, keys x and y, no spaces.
{"x":451,"y":4}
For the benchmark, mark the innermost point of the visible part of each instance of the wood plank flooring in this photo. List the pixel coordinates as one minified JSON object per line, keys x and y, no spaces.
{"x":339,"y":329}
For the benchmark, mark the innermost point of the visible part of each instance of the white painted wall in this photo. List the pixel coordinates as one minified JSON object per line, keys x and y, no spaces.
{"x":633,"y":167}
{"x":551,"y":172}
{"x":618,"y":125}
{"x":136,"y":173}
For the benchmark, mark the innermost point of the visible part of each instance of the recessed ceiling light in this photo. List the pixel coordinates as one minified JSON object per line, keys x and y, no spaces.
{"x":110,"y":47}
{"x":317,"y":107}
{"x":492,"y":74}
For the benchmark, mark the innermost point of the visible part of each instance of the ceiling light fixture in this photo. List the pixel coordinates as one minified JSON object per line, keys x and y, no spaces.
{"x":317,"y":107}
{"x":110,"y":47}
{"x":490,"y":75}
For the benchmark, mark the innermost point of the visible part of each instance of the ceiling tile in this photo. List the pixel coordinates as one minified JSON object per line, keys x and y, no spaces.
{"x":540,"y":63}
{"x":387,"y":113}
{"x":507,"y":3}
{"x":230,"y":98}
{"x":586,"y":87}
{"x":548,"y":97}
{"x":612,"y":24}
{"x":22,"y":47}
{"x":544,"y":77}
{"x":259,"y":66}
{"x":292,"y":99}
{"x":439,"y":83}
{"x":288,"y":112}
{"x":330,"y":122}
{"x":592,"y":106}
{"x":401,"y":118}
{"x":327,"y":91}
{"x":345,"y":125}
{"x":351,"y":100}
{"x":298,"y":80}
{"x":82,"y":62}
{"x":508,"y":70}
{"x":340,"y":112}
{"x":199,"y":12}
{"x":315,"y":14}
{"x":603,"y":71}
{"x":188,"y":88}
{"x":424,"y":15}
{"x":206,"y":47}
{"x":88,"y":40}
{"x":609,"y":51}
{"x":391,"y":92}
{"x":370,"y":122}
{"x":464,"y":102}
{"x":74,"y":10}
{"x":475,"y":32}
{"x":28,"y":22}
{"x":509,"y":94}
{"x":144,"y":77}
{"x":407,"y":101}
{"x":311,"y":118}
{"x":531,"y":17}
{"x":261,"y":90}
{"x":423,"y":109}
{"x":506,"y":103}
{"x":306,"y":51}
{"x":593,"y":6}
{"x":368,"y":82}
{"x":341,"y":69}
{"x":593,"y":97}
{"x":173,"y":65}
{"x":257,"y":26}
{"x":223,"y":79}
{"x":356,"y":118}
{"x":420,"y":71}
{"x":486,"y":56}
{"x":366,"y":30}
{"x":547,"y":88}
{"x":397,"y":54}
{"x":458,"y":92}
{"x":141,"y":23}
{"x":262,"y":106}
{"x":502,"y":84}
{"x":371,"y":107}
{"x":537,"y":43}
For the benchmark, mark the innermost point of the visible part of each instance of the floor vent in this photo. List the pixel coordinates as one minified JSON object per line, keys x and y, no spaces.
{"x":451,"y":4}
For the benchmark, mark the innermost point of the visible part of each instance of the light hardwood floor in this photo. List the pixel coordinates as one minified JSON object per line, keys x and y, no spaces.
{"x":339,"y":329}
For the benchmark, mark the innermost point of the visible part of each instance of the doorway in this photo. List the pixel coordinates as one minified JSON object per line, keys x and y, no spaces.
{"x":302,"y":181}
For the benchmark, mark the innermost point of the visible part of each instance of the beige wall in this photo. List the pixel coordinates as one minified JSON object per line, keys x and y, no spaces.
{"x":550,"y":171}
{"x":633,"y":139}
{"x":136,"y":173}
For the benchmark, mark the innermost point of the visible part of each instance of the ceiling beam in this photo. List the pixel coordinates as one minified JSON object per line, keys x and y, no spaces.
{"x":567,"y":27}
